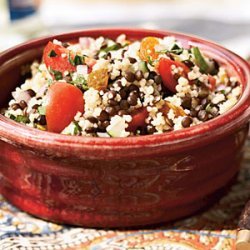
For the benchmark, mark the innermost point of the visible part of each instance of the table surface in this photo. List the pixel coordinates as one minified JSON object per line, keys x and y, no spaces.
{"x":214,"y":228}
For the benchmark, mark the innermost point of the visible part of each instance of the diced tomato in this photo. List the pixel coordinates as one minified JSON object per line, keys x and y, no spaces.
{"x":138,"y":119}
{"x":212,"y":82}
{"x":90,"y":62}
{"x":167,"y":76}
{"x":57,"y":58}
{"x":64,"y":101}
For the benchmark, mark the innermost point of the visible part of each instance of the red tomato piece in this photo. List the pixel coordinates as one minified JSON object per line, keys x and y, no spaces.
{"x":212,"y":82}
{"x":52,"y":57}
{"x":64,"y":101}
{"x":90,"y":61}
{"x":138,"y":119}
{"x":167,"y":76}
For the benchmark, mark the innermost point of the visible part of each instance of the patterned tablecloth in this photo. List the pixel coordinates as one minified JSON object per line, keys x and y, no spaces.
{"x":214,"y":228}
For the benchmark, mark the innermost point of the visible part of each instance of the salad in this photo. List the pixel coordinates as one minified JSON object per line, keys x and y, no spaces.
{"x":118,"y":88}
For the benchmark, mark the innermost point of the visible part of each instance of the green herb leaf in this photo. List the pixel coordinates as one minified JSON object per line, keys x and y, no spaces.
{"x":42,"y":110}
{"x":78,"y":60}
{"x":52,"y":53}
{"x":150,"y":61}
{"x":80,"y":82}
{"x":71,"y":61}
{"x":176,"y":49}
{"x":115,"y":46}
{"x":57,"y":74}
{"x":22,"y":119}
{"x":199,"y":59}
{"x":12,"y":117}
{"x":77,"y":128}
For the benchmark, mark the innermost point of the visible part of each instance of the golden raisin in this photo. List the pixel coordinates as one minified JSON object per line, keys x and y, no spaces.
{"x":147,"y":49}
{"x":98,"y":79}
{"x":178,"y":111}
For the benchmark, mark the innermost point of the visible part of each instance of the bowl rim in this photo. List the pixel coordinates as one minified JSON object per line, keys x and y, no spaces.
{"x":221,"y":125}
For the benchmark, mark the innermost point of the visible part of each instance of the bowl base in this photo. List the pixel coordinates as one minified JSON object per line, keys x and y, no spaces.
{"x":91,"y":220}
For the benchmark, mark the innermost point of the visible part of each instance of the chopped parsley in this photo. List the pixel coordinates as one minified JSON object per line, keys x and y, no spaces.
{"x":176,"y":49}
{"x":57,"y":74}
{"x":199,"y":59}
{"x":151,"y":61}
{"x":115,"y":46}
{"x":52,"y":53}
{"x":21,"y":118}
{"x":77,"y":128}
{"x":80,"y":82}
{"x":78,"y":60}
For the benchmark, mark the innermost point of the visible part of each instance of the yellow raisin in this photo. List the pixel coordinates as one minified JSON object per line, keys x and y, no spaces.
{"x":147,"y":49}
{"x":178,"y":111}
{"x":98,"y":79}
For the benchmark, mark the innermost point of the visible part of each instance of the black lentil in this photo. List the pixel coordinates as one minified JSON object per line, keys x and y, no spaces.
{"x":151,"y":129}
{"x":132,"y":98}
{"x":188,"y":63}
{"x":132,"y":60}
{"x":138,"y":75}
{"x":151,"y":75}
{"x":90,"y":130}
{"x":203,"y":93}
{"x":105,"y":124}
{"x":130,"y":76}
{"x":23,"y":104}
{"x":186,"y":121}
{"x":158,"y":79}
{"x":36,"y":106}
{"x":133,"y":87}
{"x":92,"y":119}
{"x":123,"y":53}
{"x":193,"y":113}
{"x":186,"y":102}
{"x":31,"y":92}
{"x":111,"y":94}
{"x":110,"y":110}
{"x":42,"y":120}
{"x":117,"y":108}
{"x":112,"y":102}
{"x":124,"y":105}
{"x":124,"y":93}
{"x":103,"y":116}
{"x":15,"y":106}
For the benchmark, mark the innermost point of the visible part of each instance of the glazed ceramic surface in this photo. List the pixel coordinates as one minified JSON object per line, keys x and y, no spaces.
{"x":119,"y":182}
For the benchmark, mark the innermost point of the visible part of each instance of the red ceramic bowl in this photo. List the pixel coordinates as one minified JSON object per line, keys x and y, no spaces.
{"x":119,"y":182}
